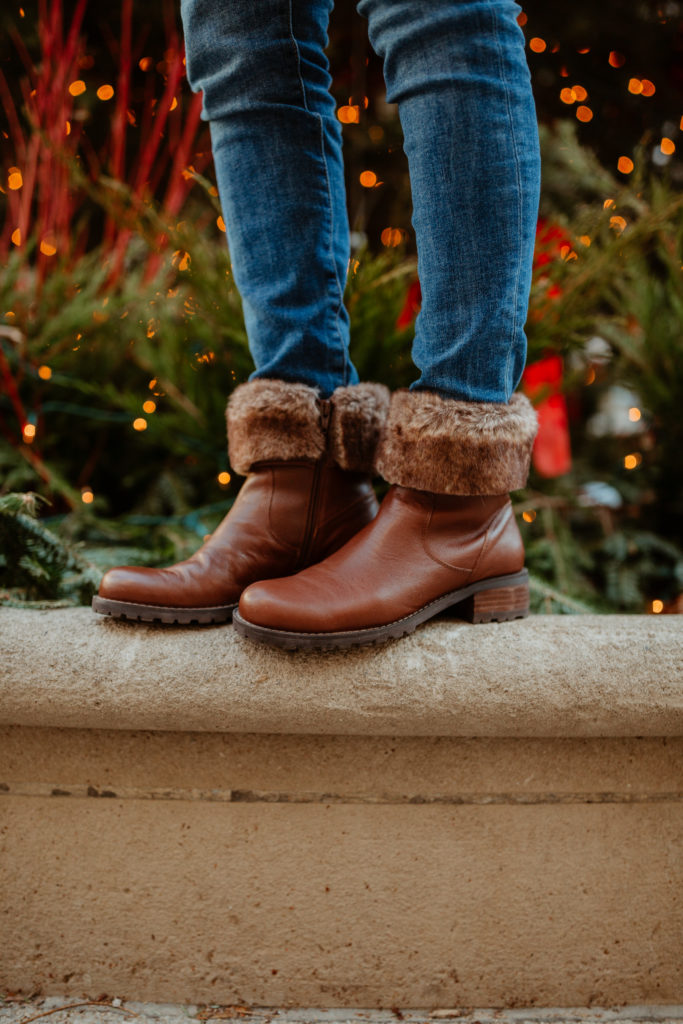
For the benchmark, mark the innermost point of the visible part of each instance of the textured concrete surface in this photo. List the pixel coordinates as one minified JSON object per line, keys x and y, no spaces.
{"x":341,"y":870}
{"x":544,"y":676}
{"x":330,"y":905}
{"x":108,"y":1011}
{"x":325,"y":769}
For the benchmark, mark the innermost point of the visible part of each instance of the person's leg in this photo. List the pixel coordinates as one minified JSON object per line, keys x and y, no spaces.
{"x":458,"y":440}
{"x":306,"y":456}
{"x":278,"y":154}
{"x":458,"y":71}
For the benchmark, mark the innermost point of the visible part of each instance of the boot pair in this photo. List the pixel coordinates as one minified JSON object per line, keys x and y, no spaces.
{"x":304,"y":550}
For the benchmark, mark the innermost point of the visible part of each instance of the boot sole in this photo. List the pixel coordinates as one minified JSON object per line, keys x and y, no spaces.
{"x":497,"y":599}
{"x":162,"y":613}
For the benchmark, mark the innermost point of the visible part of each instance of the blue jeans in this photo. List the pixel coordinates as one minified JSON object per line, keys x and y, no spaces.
{"x":458,"y":72}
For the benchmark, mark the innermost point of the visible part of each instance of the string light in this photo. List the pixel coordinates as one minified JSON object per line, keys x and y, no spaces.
{"x":87,"y":495}
{"x":44,"y":372}
{"x":77,"y":88}
{"x":349,"y":114}
{"x":537,"y":44}
{"x":149,"y":406}
{"x":391,"y":237}
{"x":224,"y":479}
{"x":667,"y":146}
{"x":634,"y":414}
{"x":625,"y":164}
{"x":14,"y":179}
{"x":105,"y":92}
{"x":29,"y":432}
{"x":657,"y":607}
{"x":368,"y":179}
{"x":140,"y":423}
{"x":632,"y":460}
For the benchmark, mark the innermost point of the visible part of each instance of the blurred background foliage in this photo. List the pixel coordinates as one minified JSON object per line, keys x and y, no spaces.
{"x":121,"y":333}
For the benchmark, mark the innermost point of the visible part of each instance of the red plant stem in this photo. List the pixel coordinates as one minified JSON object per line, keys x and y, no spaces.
{"x":12,"y":390}
{"x":119,"y":126}
{"x":151,"y":146}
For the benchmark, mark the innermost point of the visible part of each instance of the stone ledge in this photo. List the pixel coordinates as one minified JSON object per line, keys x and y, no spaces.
{"x":575,"y":676}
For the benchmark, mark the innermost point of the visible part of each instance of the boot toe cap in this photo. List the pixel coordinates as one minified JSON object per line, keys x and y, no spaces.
{"x":129,"y":583}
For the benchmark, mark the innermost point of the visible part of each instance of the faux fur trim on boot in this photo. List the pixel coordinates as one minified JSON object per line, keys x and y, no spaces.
{"x":272,"y":420}
{"x":452,"y":447}
{"x":358,"y":415}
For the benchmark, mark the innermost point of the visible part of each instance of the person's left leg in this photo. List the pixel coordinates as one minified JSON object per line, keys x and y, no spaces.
{"x":458,"y":441}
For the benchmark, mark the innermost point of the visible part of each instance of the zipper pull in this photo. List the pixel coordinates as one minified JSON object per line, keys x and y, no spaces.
{"x":325,"y":415}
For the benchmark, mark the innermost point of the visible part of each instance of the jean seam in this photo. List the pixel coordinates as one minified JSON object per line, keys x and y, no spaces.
{"x":340,"y":293}
{"x":520,"y":211}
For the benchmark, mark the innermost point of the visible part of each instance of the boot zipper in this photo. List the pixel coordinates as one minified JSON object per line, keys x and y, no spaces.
{"x":325,"y":414}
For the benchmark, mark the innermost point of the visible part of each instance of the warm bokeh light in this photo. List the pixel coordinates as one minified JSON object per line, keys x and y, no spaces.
{"x":617,"y":223}
{"x":87,"y":496}
{"x":349,"y":114}
{"x":221,"y":223}
{"x":224,"y":479}
{"x":648,"y":87}
{"x":537,"y":45}
{"x":105,"y":92}
{"x":584,"y":114}
{"x":568,"y":95}
{"x":44,"y":372}
{"x":14,"y":179}
{"x":617,"y":59}
{"x":149,"y":406}
{"x":77,"y":88}
{"x":391,"y":237}
{"x":579,"y":92}
{"x":608,"y":204}
{"x":522,"y":19}
{"x":632,"y":460}
{"x":181,"y":260}
{"x":16,"y":237}
{"x":667,"y":146}
{"x":140,"y":423}
{"x":634,"y":414}
{"x":625,"y":164}
{"x":585,"y":240}
{"x":635,"y":86}
{"x":29,"y":432}
{"x":145,"y":63}
{"x":48,"y":247}
{"x":368,"y":179}
{"x":529,"y":515}
{"x":657,"y":607}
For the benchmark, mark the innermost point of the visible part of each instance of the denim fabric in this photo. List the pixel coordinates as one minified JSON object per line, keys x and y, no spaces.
{"x":458,"y":72}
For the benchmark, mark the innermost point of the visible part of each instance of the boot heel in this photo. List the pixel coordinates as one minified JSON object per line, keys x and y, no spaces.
{"x":497,"y":604}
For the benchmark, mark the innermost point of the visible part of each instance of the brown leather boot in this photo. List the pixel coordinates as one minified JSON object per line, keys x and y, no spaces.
{"x":445,"y":535}
{"x":307,"y":492}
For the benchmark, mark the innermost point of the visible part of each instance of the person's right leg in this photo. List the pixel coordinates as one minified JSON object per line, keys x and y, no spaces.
{"x":302,"y":429}
{"x":277,"y":150}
